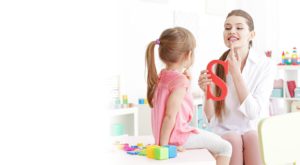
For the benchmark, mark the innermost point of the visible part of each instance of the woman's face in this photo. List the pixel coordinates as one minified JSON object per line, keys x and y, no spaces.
{"x":236,"y":32}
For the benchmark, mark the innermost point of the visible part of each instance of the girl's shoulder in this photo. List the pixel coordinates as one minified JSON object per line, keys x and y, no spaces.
{"x":172,"y":75}
{"x":179,"y":80}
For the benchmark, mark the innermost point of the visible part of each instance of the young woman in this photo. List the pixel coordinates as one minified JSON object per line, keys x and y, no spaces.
{"x":249,"y":82}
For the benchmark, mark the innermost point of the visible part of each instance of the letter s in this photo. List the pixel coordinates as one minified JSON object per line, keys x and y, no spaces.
{"x":217,"y":80}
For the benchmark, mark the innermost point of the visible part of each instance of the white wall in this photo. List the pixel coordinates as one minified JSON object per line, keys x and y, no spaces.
{"x":142,"y":21}
{"x":53,"y":58}
{"x":289,"y":25}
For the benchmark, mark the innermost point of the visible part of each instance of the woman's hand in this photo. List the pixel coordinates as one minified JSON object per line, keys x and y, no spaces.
{"x":234,"y":61}
{"x":204,"y":80}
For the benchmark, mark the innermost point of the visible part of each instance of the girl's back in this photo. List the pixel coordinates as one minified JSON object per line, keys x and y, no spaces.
{"x":168,"y":81}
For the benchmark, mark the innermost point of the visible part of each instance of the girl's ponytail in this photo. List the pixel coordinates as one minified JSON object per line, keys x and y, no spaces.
{"x":152,"y":73}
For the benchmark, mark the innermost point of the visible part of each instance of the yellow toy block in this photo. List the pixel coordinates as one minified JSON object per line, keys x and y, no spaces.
{"x":150,"y":151}
{"x":140,"y":144}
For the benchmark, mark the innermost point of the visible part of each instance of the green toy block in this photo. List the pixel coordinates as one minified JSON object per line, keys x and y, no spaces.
{"x":161,"y":153}
{"x":142,"y":152}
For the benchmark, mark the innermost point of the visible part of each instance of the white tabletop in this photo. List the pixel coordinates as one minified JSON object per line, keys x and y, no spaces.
{"x":188,"y":157}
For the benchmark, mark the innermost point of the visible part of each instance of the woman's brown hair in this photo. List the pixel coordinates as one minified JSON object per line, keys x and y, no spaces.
{"x":173,"y":43}
{"x":219,"y":105}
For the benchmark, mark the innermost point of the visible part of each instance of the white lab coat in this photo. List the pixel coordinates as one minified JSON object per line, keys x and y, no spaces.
{"x":258,"y":73}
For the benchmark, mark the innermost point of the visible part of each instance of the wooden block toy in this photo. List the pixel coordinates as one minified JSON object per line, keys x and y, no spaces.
{"x":142,"y":152}
{"x":150,"y":151}
{"x":122,"y":146}
{"x":128,"y":148}
{"x":141,"y":101}
{"x":133,"y":152}
{"x":161,"y":153}
{"x":140,"y":145}
{"x":134,"y":146}
{"x":145,"y":101}
{"x":172,"y":151}
{"x":125,"y":99}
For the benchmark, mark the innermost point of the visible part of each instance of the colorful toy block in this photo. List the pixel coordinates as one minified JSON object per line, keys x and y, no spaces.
{"x":126,"y":145}
{"x":125,"y":99}
{"x":133,"y":152}
{"x":172,"y":151}
{"x":141,"y":101}
{"x":150,"y":151}
{"x":161,"y":153}
{"x":140,"y":144}
{"x":146,"y":101}
{"x":128,"y":149}
{"x":142,"y":152}
{"x":134,"y":146}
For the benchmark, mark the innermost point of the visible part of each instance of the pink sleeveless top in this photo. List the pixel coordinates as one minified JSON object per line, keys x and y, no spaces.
{"x":169,"y":81}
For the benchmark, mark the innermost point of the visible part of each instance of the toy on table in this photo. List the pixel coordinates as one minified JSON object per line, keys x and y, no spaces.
{"x":150,"y":151}
{"x":290,"y":59}
{"x":283,"y":58}
{"x":294,"y":56}
{"x":143,"y":101}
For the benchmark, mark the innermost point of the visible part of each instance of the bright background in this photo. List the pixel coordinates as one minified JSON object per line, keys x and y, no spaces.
{"x":142,"y":21}
{"x":56,"y":59}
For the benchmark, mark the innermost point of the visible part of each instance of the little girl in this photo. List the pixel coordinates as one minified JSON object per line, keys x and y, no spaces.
{"x":169,"y":96}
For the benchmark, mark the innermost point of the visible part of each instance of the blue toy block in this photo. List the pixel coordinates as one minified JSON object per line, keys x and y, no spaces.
{"x":134,"y":146}
{"x":172,"y":151}
{"x":141,"y":101}
{"x":133,"y":152}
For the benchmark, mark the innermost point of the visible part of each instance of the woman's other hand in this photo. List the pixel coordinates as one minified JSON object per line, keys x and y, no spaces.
{"x":234,"y":60}
{"x":204,"y":80}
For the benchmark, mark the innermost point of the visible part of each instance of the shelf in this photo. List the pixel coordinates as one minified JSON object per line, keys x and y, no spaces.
{"x":288,"y":67}
{"x":285,"y":98}
{"x":128,"y":117}
{"x":123,"y":111}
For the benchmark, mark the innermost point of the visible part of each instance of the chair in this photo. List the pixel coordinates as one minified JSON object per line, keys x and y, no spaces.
{"x":279,"y":138}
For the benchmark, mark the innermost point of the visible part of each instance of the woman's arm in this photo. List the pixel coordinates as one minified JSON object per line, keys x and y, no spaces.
{"x":240,"y":86}
{"x":172,"y":108}
{"x":236,"y":64}
{"x":256,"y":103}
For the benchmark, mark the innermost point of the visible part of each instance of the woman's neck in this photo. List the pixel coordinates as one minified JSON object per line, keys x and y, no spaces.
{"x":243,"y":53}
